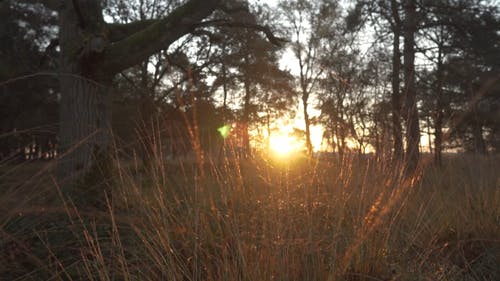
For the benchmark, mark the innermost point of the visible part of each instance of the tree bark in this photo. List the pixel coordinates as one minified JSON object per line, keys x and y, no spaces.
{"x":395,"y":97}
{"x":85,"y":122}
{"x":85,"y":168}
{"x":85,"y":99}
{"x":412,"y":123}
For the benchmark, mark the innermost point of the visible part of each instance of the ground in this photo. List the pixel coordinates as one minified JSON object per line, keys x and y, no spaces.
{"x":259,"y":219}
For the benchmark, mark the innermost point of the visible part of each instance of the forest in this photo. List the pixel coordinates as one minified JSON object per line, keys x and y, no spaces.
{"x":250,"y":140}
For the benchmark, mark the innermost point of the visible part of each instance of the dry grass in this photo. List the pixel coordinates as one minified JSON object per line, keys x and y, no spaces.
{"x":263,"y":220}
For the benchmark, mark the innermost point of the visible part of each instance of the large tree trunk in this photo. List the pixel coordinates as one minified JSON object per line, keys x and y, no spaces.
{"x":84,"y":106}
{"x":395,"y":97}
{"x":412,"y":126}
{"x":85,"y":123}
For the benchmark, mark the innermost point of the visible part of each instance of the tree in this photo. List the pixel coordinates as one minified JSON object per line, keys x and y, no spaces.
{"x":93,"y":52}
{"x":276,"y":97}
{"x":464,"y":38}
{"x":249,"y":62}
{"x":380,"y":111}
{"x":475,"y":35}
{"x":148,"y":92}
{"x":309,"y":25}
{"x":396,"y":27}
{"x":411,"y":110}
{"x":390,"y":11}
{"x":340,"y":87}
{"x":407,"y":28}
{"x":435,"y":99}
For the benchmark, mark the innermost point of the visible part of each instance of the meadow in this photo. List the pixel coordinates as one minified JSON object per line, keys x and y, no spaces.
{"x":258,"y":219}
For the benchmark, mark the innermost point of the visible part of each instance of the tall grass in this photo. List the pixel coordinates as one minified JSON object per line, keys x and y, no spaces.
{"x":260,"y":219}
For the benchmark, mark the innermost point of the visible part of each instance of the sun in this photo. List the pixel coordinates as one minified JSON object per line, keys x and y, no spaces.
{"x":283,"y":144}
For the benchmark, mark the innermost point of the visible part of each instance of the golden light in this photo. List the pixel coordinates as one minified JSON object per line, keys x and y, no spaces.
{"x":284,"y":144}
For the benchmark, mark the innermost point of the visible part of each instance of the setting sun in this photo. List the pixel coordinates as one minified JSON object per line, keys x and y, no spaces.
{"x":284,"y":144}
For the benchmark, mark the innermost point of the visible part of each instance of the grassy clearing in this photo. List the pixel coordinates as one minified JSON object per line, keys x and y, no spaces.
{"x":260,"y":220}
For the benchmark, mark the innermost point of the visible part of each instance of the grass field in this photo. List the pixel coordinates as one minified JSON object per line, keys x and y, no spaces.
{"x":258,"y":219}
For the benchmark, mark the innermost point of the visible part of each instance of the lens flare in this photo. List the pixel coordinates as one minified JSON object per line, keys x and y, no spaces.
{"x":224,"y":130}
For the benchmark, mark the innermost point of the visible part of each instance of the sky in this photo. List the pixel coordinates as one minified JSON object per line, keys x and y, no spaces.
{"x":290,"y":62}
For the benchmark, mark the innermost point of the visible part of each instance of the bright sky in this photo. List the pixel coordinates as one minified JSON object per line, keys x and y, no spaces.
{"x":283,"y":141}
{"x":286,"y":129}
{"x":288,"y":61}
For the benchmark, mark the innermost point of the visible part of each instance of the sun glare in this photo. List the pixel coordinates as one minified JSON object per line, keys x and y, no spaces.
{"x":286,"y":140}
{"x":283,"y":144}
